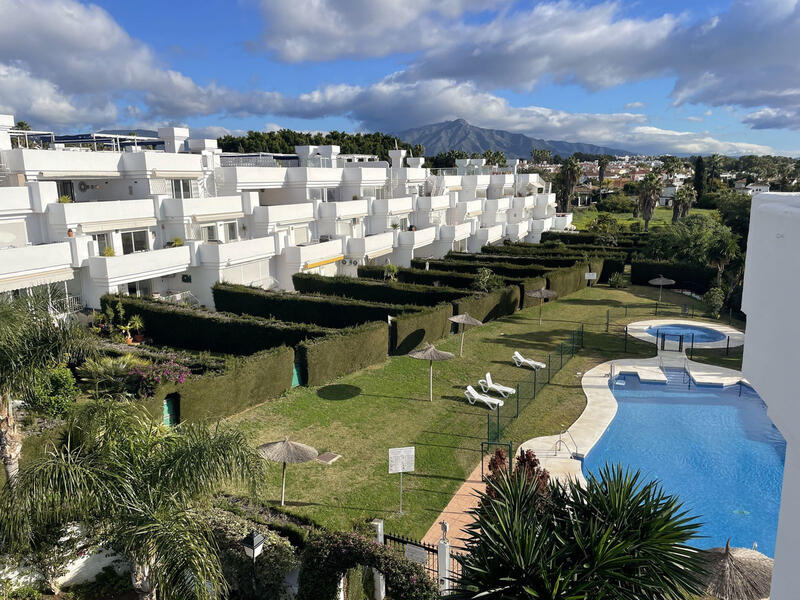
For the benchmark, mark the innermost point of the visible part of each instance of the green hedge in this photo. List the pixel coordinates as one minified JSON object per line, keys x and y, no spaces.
{"x":502,"y":269}
{"x":567,"y":281}
{"x":493,"y":305}
{"x":246,"y":382}
{"x":585,"y":237}
{"x":421,"y":277}
{"x":346,"y":351}
{"x":687,"y":276}
{"x":198,"y":329}
{"x":409,"y":330}
{"x":373,"y":291}
{"x":528,"y":285}
{"x":325,"y":311}
{"x":544,"y":260}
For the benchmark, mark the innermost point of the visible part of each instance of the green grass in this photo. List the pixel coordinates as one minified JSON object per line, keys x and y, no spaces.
{"x":362,"y":415}
{"x":663,"y":215}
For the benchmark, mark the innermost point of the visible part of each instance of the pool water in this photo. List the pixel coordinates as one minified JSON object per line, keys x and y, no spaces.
{"x":715,"y":449}
{"x":701,"y":334}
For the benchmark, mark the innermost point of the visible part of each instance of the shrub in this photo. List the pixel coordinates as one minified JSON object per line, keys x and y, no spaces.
{"x":111,"y":375}
{"x":107,"y":584}
{"x":687,"y":276}
{"x":489,"y":306}
{"x":617,"y":203}
{"x":390,"y":272}
{"x":148,"y":377}
{"x":714,"y":300}
{"x":567,"y":281}
{"x":373,"y":291}
{"x":486,"y":280}
{"x":344,"y":352}
{"x":53,"y":391}
{"x":617,"y":280}
{"x":499,"y":268}
{"x":410,"y":330}
{"x":419,"y":276}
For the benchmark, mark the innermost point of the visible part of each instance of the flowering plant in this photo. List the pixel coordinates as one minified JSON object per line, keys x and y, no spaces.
{"x":150,"y":376}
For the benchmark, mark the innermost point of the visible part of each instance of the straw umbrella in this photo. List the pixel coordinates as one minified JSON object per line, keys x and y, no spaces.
{"x":737,"y":573}
{"x":541,"y":295}
{"x":431,"y":354}
{"x":661,"y":281}
{"x":464,"y":320}
{"x":285,"y":452}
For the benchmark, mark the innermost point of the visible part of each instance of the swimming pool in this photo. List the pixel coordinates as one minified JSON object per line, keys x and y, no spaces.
{"x":673,"y":330}
{"x":714,"y":448}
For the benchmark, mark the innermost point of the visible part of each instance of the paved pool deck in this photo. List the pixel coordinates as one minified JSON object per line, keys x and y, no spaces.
{"x":639,"y":331}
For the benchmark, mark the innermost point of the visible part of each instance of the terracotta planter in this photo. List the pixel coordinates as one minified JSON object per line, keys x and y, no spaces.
{"x":129,"y":341}
{"x":139,"y":338}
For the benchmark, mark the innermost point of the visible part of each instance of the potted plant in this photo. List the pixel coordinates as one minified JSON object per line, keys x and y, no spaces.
{"x":64,"y":199}
{"x":137,"y":325}
{"x":125,"y":329}
{"x":108,"y":251}
{"x":177,"y":242}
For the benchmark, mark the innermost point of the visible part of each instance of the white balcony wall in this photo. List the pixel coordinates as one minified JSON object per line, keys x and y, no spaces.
{"x":429,"y":203}
{"x":391,"y":206}
{"x":371,"y":246}
{"x":562,"y":221}
{"x":418,"y":238}
{"x":45,"y":164}
{"x":343,"y":210}
{"x":223,"y":207}
{"x":15,"y":201}
{"x":545,"y":206}
{"x":115,"y":270}
{"x":237,"y":252}
{"x":485,"y":236}
{"x":35,"y":265}
{"x":92,"y":217}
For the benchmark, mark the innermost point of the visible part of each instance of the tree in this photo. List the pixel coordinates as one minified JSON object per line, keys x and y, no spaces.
{"x":494,"y":157}
{"x":31,"y":342}
{"x":570,"y":173}
{"x":602,"y":165}
{"x":734,"y":208}
{"x":617,"y":536}
{"x":714,"y":166}
{"x":682,"y":202}
{"x":700,"y":178}
{"x":539,"y":156}
{"x":22,"y":126}
{"x":649,"y":192}
{"x":671,"y":165}
{"x":722,"y":250}
{"x":134,"y":486}
{"x":486,"y":280}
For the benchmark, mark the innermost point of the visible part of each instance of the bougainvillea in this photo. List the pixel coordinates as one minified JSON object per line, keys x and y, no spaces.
{"x":150,"y":376}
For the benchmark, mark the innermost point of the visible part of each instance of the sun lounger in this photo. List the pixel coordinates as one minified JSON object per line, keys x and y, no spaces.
{"x":487,"y":385}
{"x":521,"y":361}
{"x":473,"y":396}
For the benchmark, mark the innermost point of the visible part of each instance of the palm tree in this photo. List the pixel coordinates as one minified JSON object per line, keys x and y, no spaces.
{"x":722,"y":250}
{"x":649,"y":191}
{"x":682,"y":202}
{"x":570,"y":174}
{"x":602,"y":165}
{"x":714,"y":166}
{"x":134,"y":486}
{"x":31,"y":339}
{"x":616,"y":537}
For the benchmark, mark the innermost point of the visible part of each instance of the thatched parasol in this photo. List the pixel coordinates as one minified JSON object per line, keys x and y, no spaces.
{"x":287,"y":452}
{"x":464,"y":320}
{"x":737,"y":573}
{"x":661,"y":281}
{"x":541,"y":294}
{"x":431,"y":354}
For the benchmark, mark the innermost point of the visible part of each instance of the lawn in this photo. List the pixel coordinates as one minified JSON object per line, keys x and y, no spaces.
{"x":362,"y":415}
{"x":662,"y":215}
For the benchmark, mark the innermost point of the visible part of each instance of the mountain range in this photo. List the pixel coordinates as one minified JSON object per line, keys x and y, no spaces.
{"x":460,"y":135}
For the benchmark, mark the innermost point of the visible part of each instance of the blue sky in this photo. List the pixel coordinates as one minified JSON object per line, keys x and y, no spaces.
{"x":679,"y":77}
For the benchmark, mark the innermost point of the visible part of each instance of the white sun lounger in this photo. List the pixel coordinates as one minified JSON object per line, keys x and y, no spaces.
{"x":473,"y":396}
{"x":521,"y":361}
{"x":487,"y":385}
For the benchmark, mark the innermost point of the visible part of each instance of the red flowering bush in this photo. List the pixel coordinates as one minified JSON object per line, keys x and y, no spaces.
{"x":148,"y":377}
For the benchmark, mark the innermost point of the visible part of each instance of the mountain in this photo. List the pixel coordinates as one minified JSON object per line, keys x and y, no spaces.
{"x":460,"y":135}
{"x":139,"y":132}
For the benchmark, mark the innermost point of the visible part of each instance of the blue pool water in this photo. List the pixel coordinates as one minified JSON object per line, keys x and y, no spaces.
{"x":701,"y":334}
{"x":718,"y":451}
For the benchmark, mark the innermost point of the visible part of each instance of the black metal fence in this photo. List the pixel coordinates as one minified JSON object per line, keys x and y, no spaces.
{"x":399,"y":542}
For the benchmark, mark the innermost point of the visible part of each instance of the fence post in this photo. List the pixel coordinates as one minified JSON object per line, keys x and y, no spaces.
{"x":378,"y":580}
{"x":626,"y":310}
{"x":561,"y":356}
{"x":489,"y":427}
{"x":728,"y":346}
{"x":518,"y":400}
{"x":498,"y":422}
{"x":582,"y":332}
{"x":549,"y":360}
{"x":534,"y":384}
{"x":608,"y":318}
{"x":691,"y":350}
{"x":443,"y":550}
{"x":626,"y":339}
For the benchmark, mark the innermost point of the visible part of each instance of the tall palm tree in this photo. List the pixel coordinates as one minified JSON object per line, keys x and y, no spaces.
{"x":722,"y":250}
{"x":134,"y":486}
{"x":602,"y":165}
{"x":570,"y":174}
{"x":682,"y":202}
{"x":31,"y":339}
{"x":616,"y":537}
{"x":714,"y":166}
{"x":649,"y":191}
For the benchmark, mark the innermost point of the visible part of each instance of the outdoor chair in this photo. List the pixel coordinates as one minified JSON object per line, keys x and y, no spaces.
{"x":473,"y":396}
{"x":487,"y":385}
{"x":521,"y":361}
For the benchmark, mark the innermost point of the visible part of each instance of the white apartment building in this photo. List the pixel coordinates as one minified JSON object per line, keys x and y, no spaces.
{"x":168,"y":217}
{"x":771,"y":292}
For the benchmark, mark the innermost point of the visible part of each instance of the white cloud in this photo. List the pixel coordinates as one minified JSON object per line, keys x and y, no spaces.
{"x":689,"y":142}
{"x":695,"y":119}
{"x":634,"y":105}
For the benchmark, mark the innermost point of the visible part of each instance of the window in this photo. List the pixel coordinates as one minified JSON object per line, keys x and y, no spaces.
{"x":65,"y":188}
{"x":181,"y":188}
{"x":231,"y":232}
{"x":134,"y":241}
{"x":208,"y":233}
{"x":102,"y":242}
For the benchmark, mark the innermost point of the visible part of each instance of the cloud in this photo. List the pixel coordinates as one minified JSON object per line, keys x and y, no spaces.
{"x":695,"y":119}
{"x":633,"y":105}
{"x":689,"y":142}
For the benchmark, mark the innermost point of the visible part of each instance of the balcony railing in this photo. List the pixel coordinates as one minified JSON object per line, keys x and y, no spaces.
{"x":455,"y":232}
{"x":281,"y":214}
{"x":30,"y":266}
{"x":371,"y":245}
{"x":487,"y":235}
{"x":418,"y":238}
{"x":343,"y":210}
{"x":315,"y":255}
{"x":111,"y":270}
{"x":392,"y":206}
{"x":237,"y":252}
{"x":433,"y":202}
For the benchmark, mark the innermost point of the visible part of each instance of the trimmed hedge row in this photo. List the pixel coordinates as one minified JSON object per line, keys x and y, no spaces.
{"x":246,"y":382}
{"x":197,"y":329}
{"x":687,"y":276}
{"x":502,"y":269}
{"x":553,"y":262}
{"x":325,"y":311}
{"x":373,"y":291}
{"x":341,"y":353}
{"x":529,"y":285}
{"x":421,"y":277}
{"x":486,"y":307}
{"x":410,"y":330}
{"x":585,"y":237}
{"x":567,"y":281}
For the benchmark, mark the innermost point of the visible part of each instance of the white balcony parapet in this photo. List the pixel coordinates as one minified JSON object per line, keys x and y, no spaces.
{"x":310,"y":256}
{"x":417,"y":238}
{"x":392,"y":206}
{"x":433,"y":202}
{"x":473,"y":208}
{"x":524,"y":202}
{"x":451,"y":233}
{"x":93,"y":217}
{"x":15,"y":200}
{"x":371,"y":246}
{"x":114,"y":270}
{"x":249,"y":178}
{"x":349,"y":209}
{"x":217,"y":208}
{"x":540,"y":225}
{"x":517,"y":231}
{"x":488,"y":235}
{"x":30,"y":266}
{"x":236,"y":252}
{"x":562,"y":221}
{"x":545,"y":206}
{"x":285,"y":214}
{"x":497,"y":204}
{"x":63,"y":163}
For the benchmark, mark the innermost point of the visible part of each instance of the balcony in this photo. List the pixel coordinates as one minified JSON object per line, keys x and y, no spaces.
{"x":219,"y":208}
{"x":47,"y":164}
{"x":540,"y":225}
{"x":30,"y":266}
{"x":115,"y":270}
{"x":285,"y":214}
{"x":162,"y":164}
{"x":236,"y":252}
{"x":350,"y":209}
{"x":428,"y":203}
{"x":100,"y":216}
{"x":489,"y":235}
{"x":377,"y":174}
{"x":517,"y":231}
{"x":545,"y":206}
{"x":418,"y":238}
{"x":315,"y":255}
{"x":523,"y":202}
{"x":562,"y":221}
{"x":454,"y":233}
{"x":371,"y":246}
{"x":14,"y":200}
{"x":473,"y":208}
{"x":497,"y":205}
{"x":235,"y":179}
{"x":392,"y":206}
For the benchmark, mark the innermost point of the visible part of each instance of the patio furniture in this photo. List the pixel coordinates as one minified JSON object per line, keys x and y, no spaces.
{"x":285,"y":452}
{"x":473,"y":396}
{"x":487,"y":385}
{"x":521,"y":361}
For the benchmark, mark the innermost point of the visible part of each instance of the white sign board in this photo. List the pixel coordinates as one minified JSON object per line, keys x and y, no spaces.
{"x":590,"y":276}
{"x":416,"y":554}
{"x":401,"y":460}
